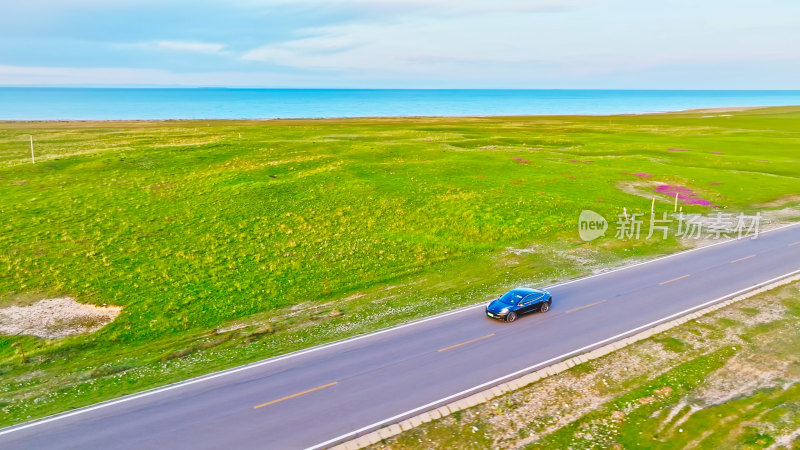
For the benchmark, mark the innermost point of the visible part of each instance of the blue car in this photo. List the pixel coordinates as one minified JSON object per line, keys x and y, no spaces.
{"x":517,"y":302}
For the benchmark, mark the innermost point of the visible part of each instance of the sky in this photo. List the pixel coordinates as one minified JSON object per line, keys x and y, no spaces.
{"x":499,"y":44}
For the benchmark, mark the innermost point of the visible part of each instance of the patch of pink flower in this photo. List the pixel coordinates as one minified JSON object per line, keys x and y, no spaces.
{"x":642,"y":174}
{"x":679,"y":149}
{"x":717,"y":153}
{"x":523,"y":161}
{"x":686,"y":195}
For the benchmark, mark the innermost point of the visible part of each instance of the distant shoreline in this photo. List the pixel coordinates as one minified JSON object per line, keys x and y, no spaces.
{"x":714,"y":110}
{"x":726,"y":109}
{"x":84,"y":104}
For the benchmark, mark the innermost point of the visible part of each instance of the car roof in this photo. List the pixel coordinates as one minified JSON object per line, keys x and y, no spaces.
{"x":526,"y":290}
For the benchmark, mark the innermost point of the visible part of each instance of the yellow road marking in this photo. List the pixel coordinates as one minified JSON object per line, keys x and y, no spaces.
{"x":794,"y":243}
{"x":675,"y":279}
{"x":743,"y":259}
{"x":585,"y":306}
{"x":465,"y":343}
{"x":295,"y":395}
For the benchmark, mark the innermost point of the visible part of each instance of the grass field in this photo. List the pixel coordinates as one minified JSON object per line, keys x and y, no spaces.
{"x":231,"y":241}
{"x":727,"y":380}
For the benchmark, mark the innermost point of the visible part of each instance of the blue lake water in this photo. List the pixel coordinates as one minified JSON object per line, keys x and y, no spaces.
{"x":220,"y":103}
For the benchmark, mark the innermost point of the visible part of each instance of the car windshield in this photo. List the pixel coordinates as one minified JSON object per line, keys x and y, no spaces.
{"x":512,"y":297}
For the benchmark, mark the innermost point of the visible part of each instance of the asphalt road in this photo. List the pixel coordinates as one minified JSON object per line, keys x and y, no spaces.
{"x":322,"y":396}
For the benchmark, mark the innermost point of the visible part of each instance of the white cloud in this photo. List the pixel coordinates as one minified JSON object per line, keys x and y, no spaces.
{"x":190,"y":46}
{"x":518,"y":46}
{"x":122,"y":76}
{"x":465,"y":48}
{"x":416,"y":43}
{"x":431,"y":7}
{"x":304,"y":52}
{"x":184,"y":46}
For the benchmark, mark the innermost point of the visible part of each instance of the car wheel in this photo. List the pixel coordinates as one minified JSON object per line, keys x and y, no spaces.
{"x":545,"y":307}
{"x":511,"y":317}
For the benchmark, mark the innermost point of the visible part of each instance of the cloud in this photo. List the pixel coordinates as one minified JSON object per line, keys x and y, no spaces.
{"x":403,"y":43}
{"x":521,"y":48}
{"x":124,"y":76}
{"x":190,"y":46}
{"x":311,"y":52}
{"x":519,"y":45}
{"x":210,"y":48}
{"x":372,"y":8}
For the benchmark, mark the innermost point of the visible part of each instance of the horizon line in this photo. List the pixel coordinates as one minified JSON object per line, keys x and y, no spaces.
{"x":385,"y":88}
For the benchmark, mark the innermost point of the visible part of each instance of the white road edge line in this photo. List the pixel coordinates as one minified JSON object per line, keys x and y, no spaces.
{"x":233,"y":370}
{"x":551,"y":360}
{"x":670,"y":256}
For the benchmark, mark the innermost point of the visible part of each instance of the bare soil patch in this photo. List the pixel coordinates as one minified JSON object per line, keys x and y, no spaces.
{"x":781,"y":201}
{"x":55,"y":318}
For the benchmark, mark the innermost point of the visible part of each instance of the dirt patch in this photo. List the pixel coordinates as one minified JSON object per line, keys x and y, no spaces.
{"x":641,"y":189}
{"x":781,"y":201}
{"x":55,"y":318}
{"x":739,"y":377}
{"x":523,"y":251}
{"x":784,"y":215}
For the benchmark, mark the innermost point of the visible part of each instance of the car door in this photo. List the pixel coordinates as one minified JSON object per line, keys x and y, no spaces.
{"x":534,"y":301}
{"x":527,"y":303}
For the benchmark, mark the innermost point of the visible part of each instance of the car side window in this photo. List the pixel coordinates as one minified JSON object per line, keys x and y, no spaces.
{"x":532,"y":298}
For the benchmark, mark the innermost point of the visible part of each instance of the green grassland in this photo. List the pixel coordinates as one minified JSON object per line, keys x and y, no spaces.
{"x":231,"y":241}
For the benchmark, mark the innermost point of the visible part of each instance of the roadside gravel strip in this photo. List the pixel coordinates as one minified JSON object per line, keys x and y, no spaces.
{"x":557,"y":365}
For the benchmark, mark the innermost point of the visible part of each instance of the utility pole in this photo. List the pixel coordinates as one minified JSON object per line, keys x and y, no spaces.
{"x":33,"y":158}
